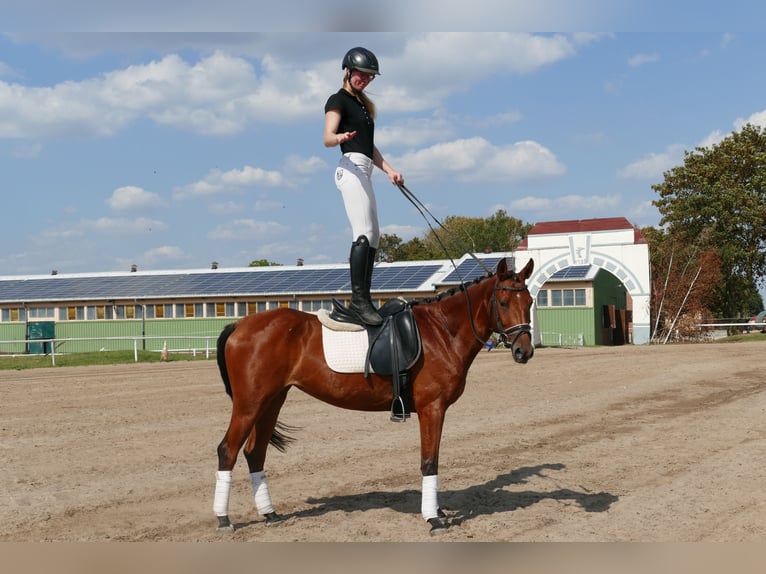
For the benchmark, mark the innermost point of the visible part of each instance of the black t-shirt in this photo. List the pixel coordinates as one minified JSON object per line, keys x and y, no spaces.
{"x":354,"y":116}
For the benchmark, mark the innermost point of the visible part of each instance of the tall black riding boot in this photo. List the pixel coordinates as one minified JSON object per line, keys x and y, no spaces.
{"x":361,"y":275}
{"x":368,"y":277}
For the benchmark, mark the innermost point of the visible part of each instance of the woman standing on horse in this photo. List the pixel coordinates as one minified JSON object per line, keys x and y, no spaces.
{"x":349,"y":123}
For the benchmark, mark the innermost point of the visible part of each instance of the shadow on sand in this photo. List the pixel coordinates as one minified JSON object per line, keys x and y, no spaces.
{"x":466,"y":504}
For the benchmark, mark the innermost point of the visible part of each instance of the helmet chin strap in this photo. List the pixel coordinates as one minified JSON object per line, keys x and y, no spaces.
{"x":347,"y":82}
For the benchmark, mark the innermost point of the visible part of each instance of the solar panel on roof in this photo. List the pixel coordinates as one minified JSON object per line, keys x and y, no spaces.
{"x":195,"y":284}
{"x":470,"y":269}
{"x":573,"y":272}
{"x":402,"y":278}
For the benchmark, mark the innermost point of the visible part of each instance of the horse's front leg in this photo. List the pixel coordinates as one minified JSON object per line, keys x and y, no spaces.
{"x":431,"y":421}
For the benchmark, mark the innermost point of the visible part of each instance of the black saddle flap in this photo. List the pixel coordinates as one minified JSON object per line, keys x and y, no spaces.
{"x":395,"y":345}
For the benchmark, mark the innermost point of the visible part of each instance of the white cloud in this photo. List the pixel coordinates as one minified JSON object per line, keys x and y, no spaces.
{"x":757,"y":119}
{"x":641,"y":59}
{"x":404,"y":232}
{"x":224,"y":208}
{"x":217,"y":181}
{"x":247,"y":229}
{"x":413,"y":132}
{"x":653,"y":165}
{"x":222,"y":94}
{"x":100,"y":226}
{"x":6,"y":71}
{"x":121,"y":226}
{"x":712,"y":139}
{"x":164,"y":253}
{"x":304,"y":166}
{"x":133,"y":198}
{"x":218,"y":95}
{"x":476,"y":159}
{"x":266,"y":204}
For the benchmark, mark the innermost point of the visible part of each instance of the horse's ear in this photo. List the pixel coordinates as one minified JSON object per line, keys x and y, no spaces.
{"x":527,"y":271}
{"x":502,"y":267}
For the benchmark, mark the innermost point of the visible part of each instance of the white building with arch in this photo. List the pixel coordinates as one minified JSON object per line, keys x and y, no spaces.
{"x":612,"y":244}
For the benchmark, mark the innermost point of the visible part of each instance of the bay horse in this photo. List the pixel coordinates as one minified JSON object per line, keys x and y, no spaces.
{"x":260,"y":361}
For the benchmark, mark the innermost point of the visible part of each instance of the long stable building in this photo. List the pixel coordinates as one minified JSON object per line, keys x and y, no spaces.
{"x":591,"y":285}
{"x":94,"y":311}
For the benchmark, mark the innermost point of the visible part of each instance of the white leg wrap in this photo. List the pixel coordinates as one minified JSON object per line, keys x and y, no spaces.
{"x":429,"y":504}
{"x":261,"y":493}
{"x":222,"y":490}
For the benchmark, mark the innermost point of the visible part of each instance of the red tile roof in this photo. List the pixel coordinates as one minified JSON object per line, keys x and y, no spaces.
{"x":583,"y":226}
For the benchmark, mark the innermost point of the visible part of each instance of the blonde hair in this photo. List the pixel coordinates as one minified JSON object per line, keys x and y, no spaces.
{"x":361,"y":96}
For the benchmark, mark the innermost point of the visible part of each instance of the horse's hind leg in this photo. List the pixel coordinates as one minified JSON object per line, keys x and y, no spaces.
{"x":255,"y":454}
{"x":232,"y":442}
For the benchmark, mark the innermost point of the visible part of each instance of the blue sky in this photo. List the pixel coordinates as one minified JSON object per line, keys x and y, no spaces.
{"x":170,"y":150}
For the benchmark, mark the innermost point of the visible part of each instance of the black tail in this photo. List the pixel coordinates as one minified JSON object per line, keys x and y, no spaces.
{"x":221,"y":355}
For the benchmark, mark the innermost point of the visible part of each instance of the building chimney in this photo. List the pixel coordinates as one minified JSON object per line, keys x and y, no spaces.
{"x":133,"y":268}
{"x":214,"y":265}
{"x":299,"y":263}
{"x":54,"y":272}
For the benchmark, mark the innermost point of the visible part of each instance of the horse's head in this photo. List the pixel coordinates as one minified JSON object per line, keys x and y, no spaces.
{"x":511,"y":309}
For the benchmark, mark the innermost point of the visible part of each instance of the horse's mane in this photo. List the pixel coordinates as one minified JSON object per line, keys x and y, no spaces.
{"x":449,"y":292}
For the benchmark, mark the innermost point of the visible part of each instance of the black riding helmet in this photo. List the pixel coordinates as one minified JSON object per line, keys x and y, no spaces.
{"x":361,"y":59}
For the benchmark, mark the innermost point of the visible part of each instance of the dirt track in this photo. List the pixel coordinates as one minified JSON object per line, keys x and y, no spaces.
{"x":589,"y":444}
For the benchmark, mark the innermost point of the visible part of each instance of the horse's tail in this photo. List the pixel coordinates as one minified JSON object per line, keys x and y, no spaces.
{"x":280,"y":438}
{"x":221,"y":355}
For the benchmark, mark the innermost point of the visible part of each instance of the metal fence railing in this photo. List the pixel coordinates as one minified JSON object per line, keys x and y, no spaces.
{"x":552,"y":339}
{"x":53,"y":347}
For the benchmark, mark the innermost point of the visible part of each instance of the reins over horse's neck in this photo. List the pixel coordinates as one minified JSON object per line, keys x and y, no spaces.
{"x":464,"y":302}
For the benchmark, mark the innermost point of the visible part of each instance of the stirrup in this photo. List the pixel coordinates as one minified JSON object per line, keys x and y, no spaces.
{"x":401,"y":414}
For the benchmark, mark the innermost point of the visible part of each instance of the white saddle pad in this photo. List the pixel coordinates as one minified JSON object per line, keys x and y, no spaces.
{"x":344,"y":350}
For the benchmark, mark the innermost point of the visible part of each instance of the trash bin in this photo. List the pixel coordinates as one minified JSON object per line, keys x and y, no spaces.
{"x":38,"y":330}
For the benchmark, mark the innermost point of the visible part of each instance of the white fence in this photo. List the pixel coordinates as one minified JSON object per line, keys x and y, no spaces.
{"x":206,"y":346}
{"x":552,"y":339}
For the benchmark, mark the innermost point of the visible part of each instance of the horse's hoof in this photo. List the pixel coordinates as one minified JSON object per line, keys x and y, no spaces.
{"x":224,"y":524}
{"x":273,"y":518}
{"x":437,"y":526}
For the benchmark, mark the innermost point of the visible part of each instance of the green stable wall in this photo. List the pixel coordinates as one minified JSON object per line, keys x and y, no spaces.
{"x":588,"y":321}
{"x":179,"y":334}
{"x":570,"y":322}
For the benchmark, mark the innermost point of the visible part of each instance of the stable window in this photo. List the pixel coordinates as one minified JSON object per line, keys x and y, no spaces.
{"x":14,"y":314}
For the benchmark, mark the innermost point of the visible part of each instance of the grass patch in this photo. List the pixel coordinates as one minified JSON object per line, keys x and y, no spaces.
{"x":757,"y":336}
{"x":19,"y":362}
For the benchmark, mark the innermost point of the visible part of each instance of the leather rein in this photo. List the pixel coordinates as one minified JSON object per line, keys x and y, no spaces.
{"x":517,"y":330}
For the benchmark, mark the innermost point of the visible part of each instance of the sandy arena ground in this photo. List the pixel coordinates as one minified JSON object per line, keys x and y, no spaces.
{"x":642,"y":443}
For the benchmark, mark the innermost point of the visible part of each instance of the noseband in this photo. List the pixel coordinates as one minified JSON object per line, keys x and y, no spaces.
{"x":517,"y":330}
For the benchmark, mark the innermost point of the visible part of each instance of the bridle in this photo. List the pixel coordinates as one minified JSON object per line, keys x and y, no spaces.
{"x":517,"y":330}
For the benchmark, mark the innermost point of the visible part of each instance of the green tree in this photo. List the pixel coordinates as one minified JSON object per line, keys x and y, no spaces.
{"x":500,"y":232}
{"x":718,"y":196}
{"x":387,"y":247}
{"x":263,"y":263}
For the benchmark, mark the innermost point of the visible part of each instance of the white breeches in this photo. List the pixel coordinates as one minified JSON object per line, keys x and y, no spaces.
{"x":353,"y":178}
